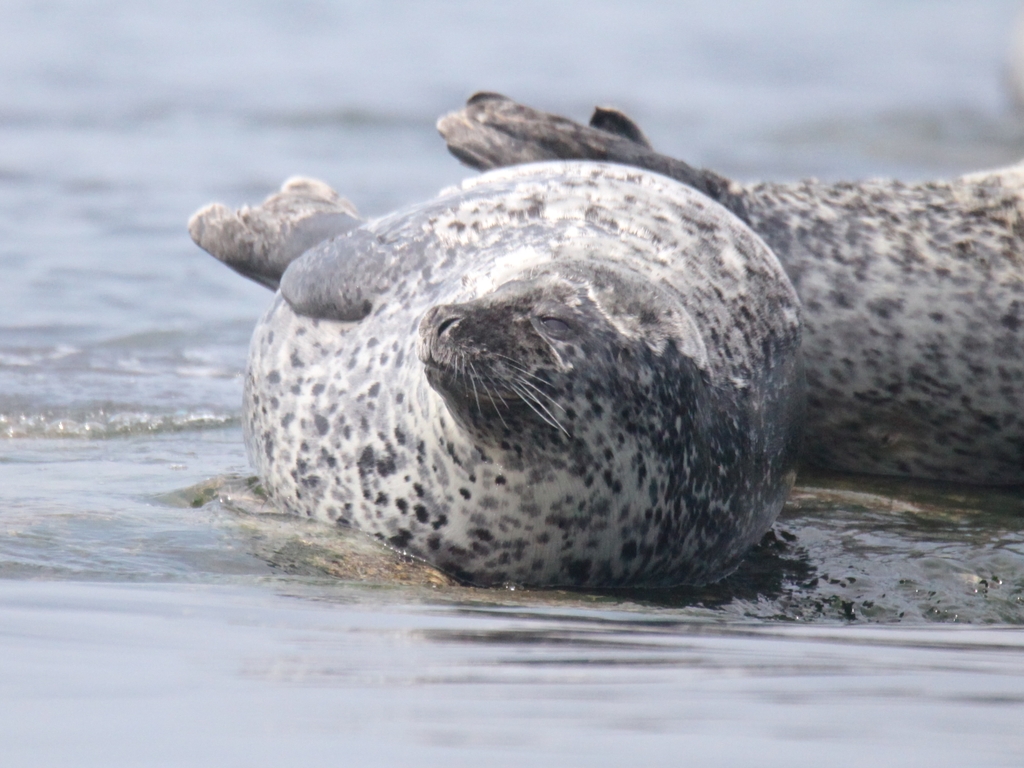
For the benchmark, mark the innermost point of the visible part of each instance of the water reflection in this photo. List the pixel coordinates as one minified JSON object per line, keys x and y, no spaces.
{"x":207,"y":676}
{"x":891,"y":551}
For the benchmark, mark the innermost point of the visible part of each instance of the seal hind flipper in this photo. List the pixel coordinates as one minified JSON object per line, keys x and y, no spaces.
{"x":261,"y":242}
{"x":493,"y":131}
{"x":614,"y":121}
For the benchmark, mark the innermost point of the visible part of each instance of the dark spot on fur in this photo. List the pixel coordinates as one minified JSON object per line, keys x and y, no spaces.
{"x":366,"y":461}
{"x":465,"y":493}
{"x":322,"y":425}
{"x":403,"y":505}
{"x":386,"y":465}
{"x":578,"y":570}
{"x":401,"y":539}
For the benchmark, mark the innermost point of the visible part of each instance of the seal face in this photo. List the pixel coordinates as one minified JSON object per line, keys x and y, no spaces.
{"x":559,"y":374}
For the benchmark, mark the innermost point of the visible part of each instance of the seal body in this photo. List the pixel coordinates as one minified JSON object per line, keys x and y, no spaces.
{"x":912,"y":294}
{"x":560,"y":374}
{"x":913,"y":298}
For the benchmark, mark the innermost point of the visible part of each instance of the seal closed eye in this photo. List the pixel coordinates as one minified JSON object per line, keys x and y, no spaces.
{"x":561,"y":374}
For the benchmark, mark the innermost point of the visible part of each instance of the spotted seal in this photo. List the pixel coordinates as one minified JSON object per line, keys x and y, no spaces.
{"x":561,"y":374}
{"x":913,"y":294}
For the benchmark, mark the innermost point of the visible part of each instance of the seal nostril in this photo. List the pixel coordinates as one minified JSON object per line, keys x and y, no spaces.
{"x":446,"y":325}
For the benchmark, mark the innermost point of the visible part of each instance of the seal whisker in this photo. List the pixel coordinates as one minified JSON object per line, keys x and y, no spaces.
{"x":530,"y":404}
{"x":484,"y":380}
{"x":513,"y":364}
{"x":539,"y":391}
{"x":534,"y":404}
{"x":476,"y":394}
{"x":497,"y":391}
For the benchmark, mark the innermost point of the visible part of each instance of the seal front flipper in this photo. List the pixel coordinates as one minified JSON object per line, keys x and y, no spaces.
{"x":261,"y":242}
{"x":337,"y":279}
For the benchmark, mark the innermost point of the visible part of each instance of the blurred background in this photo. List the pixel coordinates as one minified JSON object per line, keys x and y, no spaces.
{"x":117,"y":119}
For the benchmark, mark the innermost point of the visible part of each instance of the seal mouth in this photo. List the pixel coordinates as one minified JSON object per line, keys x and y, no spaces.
{"x":509,"y":395}
{"x":466,"y":381}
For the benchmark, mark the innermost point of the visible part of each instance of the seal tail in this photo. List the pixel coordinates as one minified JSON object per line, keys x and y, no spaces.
{"x":261,"y":242}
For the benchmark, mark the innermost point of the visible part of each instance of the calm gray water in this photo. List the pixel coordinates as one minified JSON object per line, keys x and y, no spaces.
{"x":153,"y":612}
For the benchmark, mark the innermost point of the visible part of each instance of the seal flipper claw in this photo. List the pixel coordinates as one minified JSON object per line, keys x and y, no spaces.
{"x":614,"y":121}
{"x":261,"y":242}
{"x":481,"y":96}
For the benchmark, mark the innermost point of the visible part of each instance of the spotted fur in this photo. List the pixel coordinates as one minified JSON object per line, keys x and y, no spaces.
{"x":913,"y":298}
{"x":560,"y":374}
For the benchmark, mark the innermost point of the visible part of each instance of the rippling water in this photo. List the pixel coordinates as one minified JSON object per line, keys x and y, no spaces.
{"x":155,"y":611}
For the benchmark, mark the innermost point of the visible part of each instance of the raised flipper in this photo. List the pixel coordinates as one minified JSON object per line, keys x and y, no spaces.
{"x":612,"y":121}
{"x":261,"y":242}
{"x":338,"y":280}
{"x":493,"y":131}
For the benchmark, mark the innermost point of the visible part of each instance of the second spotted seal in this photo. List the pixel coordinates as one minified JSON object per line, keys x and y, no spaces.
{"x":912,"y":293}
{"x":560,"y":374}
